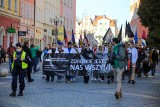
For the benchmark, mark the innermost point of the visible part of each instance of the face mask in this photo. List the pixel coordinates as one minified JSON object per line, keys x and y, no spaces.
{"x":18,"y":50}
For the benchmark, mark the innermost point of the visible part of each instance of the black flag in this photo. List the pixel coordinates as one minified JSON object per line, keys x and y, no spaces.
{"x":120,"y":34}
{"x":108,"y":36}
{"x":128,"y":30}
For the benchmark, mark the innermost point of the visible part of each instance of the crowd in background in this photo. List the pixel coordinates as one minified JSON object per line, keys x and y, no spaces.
{"x":141,"y":61}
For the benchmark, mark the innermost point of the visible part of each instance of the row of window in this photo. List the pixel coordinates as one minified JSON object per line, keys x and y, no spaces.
{"x":10,"y":4}
{"x":101,"y":29}
{"x":27,"y":10}
{"x":69,"y":3}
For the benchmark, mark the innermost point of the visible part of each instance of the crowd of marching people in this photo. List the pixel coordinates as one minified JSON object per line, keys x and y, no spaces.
{"x":126,"y":59}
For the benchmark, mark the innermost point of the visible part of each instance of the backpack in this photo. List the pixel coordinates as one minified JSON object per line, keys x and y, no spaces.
{"x":123,"y":62}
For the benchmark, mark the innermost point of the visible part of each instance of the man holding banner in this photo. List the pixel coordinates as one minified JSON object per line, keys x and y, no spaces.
{"x":69,"y":50}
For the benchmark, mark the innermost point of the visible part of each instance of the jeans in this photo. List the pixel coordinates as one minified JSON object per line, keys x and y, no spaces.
{"x":153,"y":68}
{"x":34,"y":64}
{"x":10,"y":64}
{"x":118,"y":76}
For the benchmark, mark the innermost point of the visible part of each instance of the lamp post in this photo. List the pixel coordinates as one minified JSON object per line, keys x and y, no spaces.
{"x":57,"y":21}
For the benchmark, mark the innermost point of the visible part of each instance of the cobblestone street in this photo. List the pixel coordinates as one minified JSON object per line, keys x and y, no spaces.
{"x":145,"y":93}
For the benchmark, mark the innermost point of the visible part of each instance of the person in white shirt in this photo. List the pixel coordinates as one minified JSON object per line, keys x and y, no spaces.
{"x":134,"y":53}
{"x":69,"y":50}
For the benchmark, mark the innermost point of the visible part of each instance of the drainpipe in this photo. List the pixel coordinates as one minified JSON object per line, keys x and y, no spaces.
{"x":34,"y":11}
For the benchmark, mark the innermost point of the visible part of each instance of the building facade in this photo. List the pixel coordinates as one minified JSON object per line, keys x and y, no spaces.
{"x":68,"y":13}
{"x":101,"y":25}
{"x":27,"y":21}
{"x":39,"y":17}
{"x":134,"y":19}
{"x":97,"y":26}
{"x":9,"y":22}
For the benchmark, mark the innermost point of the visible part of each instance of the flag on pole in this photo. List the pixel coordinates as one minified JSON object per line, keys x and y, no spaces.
{"x":144,"y":35}
{"x":73,"y":38}
{"x":59,"y":42}
{"x":136,"y":37}
{"x":85,"y":39}
{"x":120,"y":34}
{"x":128,"y":31}
{"x":65,"y":37}
{"x":80,"y":41}
{"x":143,"y":42}
{"x":108,"y":36}
{"x":80,"y":37}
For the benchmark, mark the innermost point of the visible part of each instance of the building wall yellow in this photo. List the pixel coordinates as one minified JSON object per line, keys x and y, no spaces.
{"x":12,"y":11}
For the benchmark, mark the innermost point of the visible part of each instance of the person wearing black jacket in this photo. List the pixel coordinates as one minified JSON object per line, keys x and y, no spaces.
{"x":86,"y":52}
{"x":50,"y":51}
{"x":0,"y":54}
{"x":29,"y":69}
{"x":19,"y":66}
{"x":154,"y":59}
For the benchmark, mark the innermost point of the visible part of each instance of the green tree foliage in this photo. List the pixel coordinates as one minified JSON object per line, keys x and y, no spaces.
{"x":149,"y":14}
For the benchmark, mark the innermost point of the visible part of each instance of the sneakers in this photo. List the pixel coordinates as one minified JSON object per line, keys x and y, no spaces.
{"x":108,"y":82}
{"x":31,"y":80}
{"x":20,"y":94}
{"x":52,"y":80}
{"x":133,"y":82}
{"x":118,"y":95}
{"x":13,"y":94}
{"x":129,"y":81}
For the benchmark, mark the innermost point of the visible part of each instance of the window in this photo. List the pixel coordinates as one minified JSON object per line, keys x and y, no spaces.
{"x":72,"y":3}
{"x":67,"y":24}
{"x":15,"y":6}
{"x":26,"y":12}
{"x":1,"y":3}
{"x":9,"y":4}
{"x":32,"y":17}
{"x":64,"y":2}
{"x":70,"y":24}
{"x":22,"y":9}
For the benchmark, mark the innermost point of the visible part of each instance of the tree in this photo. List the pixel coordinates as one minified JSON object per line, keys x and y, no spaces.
{"x":149,"y":14}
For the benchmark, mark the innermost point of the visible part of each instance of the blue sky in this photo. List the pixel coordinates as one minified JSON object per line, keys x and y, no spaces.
{"x":116,"y":9}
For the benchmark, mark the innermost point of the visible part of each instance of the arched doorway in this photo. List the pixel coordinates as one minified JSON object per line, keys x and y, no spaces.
{"x":2,"y":33}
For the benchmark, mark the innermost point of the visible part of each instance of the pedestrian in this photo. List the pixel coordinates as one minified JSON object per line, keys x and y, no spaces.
{"x":86,"y":53}
{"x":101,"y":51}
{"x":154,"y":60}
{"x":33,"y":50}
{"x":3,"y":57}
{"x":60,"y":50}
{"x":69,"y":50}
{"x":119,"y":63}
{"x":10,"y":52}
{"x":0,"y":54}
{"x":29,"y":69}
{"x":51,"y":50}
{"x":134,"y":54}
{"x":141,"y":56}
{"x":19,"y":66}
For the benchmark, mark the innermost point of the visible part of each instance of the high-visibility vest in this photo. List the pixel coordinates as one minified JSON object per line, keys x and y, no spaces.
{"x":24,"y":65}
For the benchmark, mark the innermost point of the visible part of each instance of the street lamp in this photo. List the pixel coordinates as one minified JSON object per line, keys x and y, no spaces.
{"x":57,"y":21}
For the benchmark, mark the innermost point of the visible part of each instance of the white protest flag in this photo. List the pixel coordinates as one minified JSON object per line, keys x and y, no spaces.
{"x":91,"y":39}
